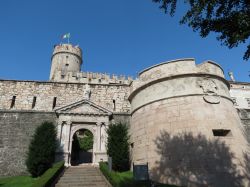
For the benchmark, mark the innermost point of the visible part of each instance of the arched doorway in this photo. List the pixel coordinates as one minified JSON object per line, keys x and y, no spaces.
{"x":82,"y":147}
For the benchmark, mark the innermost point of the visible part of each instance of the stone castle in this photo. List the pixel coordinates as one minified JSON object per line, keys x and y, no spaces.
{"x":186,"y":121}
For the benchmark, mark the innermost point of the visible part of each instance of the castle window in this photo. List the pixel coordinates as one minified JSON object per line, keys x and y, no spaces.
{"x":54,"y":103}
{"x":114,"y":107}
{"x":248,"y":102}
{"x":222,"y":132}
{"x":34,"y":102}
{"x":67,"y":56}
{"x":99,"y":80}
{"x":13,"y":100}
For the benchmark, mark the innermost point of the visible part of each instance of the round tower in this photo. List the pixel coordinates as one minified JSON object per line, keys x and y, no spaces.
{"x":66,"y":58}
{"x":184,"y":125}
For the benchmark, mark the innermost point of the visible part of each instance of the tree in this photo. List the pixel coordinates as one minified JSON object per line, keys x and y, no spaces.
{"x":118,"y":146}
{"x":229,"y":18}
{"x":41,"y":154}
{"x":86,"y":142}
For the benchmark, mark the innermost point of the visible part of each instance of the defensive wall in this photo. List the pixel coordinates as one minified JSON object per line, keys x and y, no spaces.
{"x":181,"y":117}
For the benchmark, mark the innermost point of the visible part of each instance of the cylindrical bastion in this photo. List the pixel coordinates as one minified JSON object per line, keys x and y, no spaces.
{"x":184,"y":125}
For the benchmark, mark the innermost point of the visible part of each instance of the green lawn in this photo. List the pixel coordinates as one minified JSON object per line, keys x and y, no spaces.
{"x":17,"y":181}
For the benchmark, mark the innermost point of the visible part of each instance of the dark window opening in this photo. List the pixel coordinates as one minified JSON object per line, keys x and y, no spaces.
{"x":54,"y":103}
{"x":222,"y":132}
{"x":132,"y":145}
{"x":13,"y":100}
{"x":67,"y":56}
{"x":34,"y":102}
{"x":114,"y":107}
{"x":99,"y":80}
{"x":66,"y":64}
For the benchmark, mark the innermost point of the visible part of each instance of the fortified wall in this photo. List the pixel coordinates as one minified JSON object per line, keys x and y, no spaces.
{"x":183,"y":121}
{"x":184,"y":125}
{"x":47,"y":96}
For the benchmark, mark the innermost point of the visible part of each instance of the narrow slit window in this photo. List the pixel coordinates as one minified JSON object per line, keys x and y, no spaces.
{"x":13,"y":101}
{"x":222,"y":132}
{"x":114,"y":107}
{"x":34,"y":102}
{"x":54,"y":103}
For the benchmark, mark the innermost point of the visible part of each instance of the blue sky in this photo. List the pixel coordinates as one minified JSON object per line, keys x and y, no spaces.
{"x":117,"y":37}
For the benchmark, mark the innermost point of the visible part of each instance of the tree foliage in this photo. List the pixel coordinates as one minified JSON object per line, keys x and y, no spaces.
{"x":41,"y":154}
{"x":118,"y":146}
{"x":229,"y":18}
{"x":86,"y":142}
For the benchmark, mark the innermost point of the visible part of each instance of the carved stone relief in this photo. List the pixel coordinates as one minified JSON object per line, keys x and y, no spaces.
{"x":210,"y":90}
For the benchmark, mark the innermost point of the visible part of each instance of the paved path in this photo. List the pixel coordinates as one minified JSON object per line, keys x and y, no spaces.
{"x":82,"y":176}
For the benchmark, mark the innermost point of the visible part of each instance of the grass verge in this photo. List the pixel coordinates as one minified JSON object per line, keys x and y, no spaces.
{"x":125,"y":179}
{"x":17,"y":181}
{"x":27,"y":181}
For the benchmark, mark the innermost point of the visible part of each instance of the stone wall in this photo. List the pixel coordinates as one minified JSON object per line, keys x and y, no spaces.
{"x":245,"y":120}
{"x":65,"y":93}
{"x":16,"y":130}
{"x":184,"y":125}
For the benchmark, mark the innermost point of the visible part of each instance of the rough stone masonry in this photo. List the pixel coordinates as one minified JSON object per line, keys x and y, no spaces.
{"x":186,"y":121}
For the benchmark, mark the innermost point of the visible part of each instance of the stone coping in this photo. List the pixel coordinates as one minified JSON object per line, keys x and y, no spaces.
{"x":179,"y":60}
{"x":166,"y":62}
{"x":55,"y":82}
{"x":237,"y":82}
{"x":211,"y":62}
{"x":25,"y":111}
{"x":134,"y":92}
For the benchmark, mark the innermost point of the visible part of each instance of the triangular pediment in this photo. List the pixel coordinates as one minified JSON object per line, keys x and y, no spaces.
{"x":83,"y":107}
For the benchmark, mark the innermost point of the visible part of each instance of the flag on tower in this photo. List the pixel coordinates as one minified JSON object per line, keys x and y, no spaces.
{"x":66,"y":36}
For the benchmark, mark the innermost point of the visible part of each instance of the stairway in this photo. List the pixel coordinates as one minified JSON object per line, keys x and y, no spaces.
{"x":82,"y":176}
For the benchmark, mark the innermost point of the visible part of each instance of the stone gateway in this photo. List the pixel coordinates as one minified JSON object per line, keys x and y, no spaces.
{"x":186,"y":121}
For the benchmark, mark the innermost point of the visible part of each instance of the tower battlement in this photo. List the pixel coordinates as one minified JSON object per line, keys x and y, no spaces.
{"x":92,"y":78}
{"x":66,"y":64}
{"x":67,"y":48}
{"x":65,"y":58}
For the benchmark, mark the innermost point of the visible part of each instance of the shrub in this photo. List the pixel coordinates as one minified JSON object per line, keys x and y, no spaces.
{"x":121,"y":179}
{"x":41,"y":154}
{"x":50,"y":175}
{"x":118,"y":146}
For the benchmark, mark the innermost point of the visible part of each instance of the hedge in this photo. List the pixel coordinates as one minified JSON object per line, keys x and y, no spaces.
{"x":125,"y":179}
{"x":117,"y":179}
{"x":47,"y":179}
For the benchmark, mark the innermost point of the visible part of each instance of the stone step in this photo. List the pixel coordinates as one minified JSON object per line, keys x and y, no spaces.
{"x":82,"y":177}
{"x":80,"y":180}
{"x":69,"y":185}
{"x":90,"y":173}
{"x":82,"y":183}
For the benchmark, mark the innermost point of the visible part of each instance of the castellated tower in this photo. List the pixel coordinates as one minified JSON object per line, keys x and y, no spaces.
{"x":66,"y":58}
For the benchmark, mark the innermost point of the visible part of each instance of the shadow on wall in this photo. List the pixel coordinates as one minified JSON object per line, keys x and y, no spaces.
{"x":189,"y":160}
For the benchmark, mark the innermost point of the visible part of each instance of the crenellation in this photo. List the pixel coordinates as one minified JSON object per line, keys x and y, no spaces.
{"x":177,"y":98}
